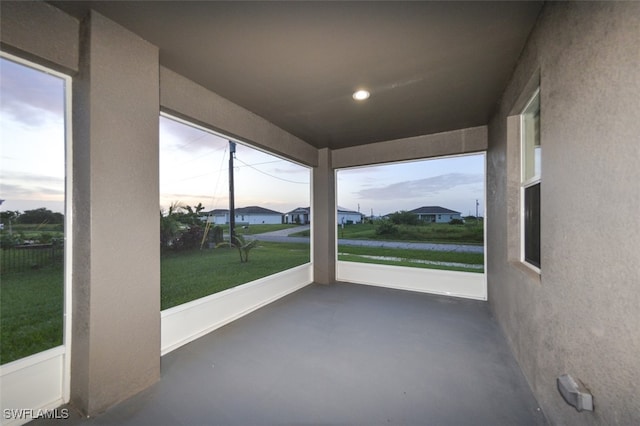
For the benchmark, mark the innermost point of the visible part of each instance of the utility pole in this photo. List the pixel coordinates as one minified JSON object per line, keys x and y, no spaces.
{"x":232,"y":207}
{"x":477,"y":204}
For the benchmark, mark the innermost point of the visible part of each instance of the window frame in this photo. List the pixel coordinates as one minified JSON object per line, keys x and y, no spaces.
{"x":526,"y":183}
{"x":67,"y":310}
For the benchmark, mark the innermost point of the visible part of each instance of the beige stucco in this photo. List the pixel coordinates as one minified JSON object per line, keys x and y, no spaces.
{"x":116,"y":258}
{"x":39,"y":31}
{"x":323,"y":219}
{"x":580,"y":316}
{"x":463,"y":141}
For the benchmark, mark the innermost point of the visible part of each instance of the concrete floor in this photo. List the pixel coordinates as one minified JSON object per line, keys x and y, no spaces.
{"x":341,"y":354}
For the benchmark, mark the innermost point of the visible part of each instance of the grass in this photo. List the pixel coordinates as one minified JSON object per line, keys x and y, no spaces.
{"x":31,"y":302}
{"x":31,"y":312}
{"x":425,"y":233}
{"x":412,"y":258}
{"x":188,"y":276}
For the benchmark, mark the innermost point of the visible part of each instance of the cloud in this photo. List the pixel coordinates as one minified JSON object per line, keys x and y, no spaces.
{"x":22,"y":192}
{"x":420,"y":188}
{"x":29,"y":96}
{"x":188,"y":138}
{"x":32,"y":178}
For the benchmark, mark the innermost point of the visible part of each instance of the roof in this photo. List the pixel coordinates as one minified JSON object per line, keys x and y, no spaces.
{"x":343,"y":210}
{"x":245,"y":210}
{"x":256,"y":210}
{"x":300,"y":210}
{"x":433,"y":210}
{"x":216,"y":212}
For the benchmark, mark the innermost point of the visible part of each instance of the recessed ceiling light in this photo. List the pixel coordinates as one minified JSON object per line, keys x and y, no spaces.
{"x":361,"y":95}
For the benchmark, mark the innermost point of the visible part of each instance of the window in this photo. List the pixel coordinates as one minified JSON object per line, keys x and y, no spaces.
{"x":34,"y":213}
{"x":196,"y":259}
{"x":402,"y":210}
{"x":530,"y":180}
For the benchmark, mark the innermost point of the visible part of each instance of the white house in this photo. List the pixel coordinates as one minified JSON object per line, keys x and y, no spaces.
{"x":252,"y":215}
{"x":436,"y":214}
{"x":301,"y":215}
{"x":348,"y":216}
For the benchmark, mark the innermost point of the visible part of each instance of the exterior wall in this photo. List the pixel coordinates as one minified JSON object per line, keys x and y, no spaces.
{"x":302,"y":217}
{"x":116,"y":259}
{"x":580,"y":316}
{"x":446,"y":218}
{"x":253,"y":219}
{"x":456,"y":142}
{"x":40,"y":32}
{"x":323,"y":221}
{"x":346,"y":217}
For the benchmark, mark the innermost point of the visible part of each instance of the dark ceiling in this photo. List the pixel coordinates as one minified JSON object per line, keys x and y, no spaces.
{"x":430,"y":66}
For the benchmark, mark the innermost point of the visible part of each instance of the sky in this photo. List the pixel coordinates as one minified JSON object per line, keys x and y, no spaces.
{"x":194,"y":164}
{"x":32,"y":138}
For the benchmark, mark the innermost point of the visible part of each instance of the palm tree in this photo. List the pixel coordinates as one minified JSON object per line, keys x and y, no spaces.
{"x":243,"y":246}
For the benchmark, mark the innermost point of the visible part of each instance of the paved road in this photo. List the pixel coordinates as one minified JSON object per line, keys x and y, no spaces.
{"x":281,"y":236}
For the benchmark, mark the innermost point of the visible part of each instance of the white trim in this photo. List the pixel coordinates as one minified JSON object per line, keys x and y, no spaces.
{"x":68,"y":240}
{"x":184,"y":323}
{"x":33,"y":382}
{"x":469,"y":285}
{"x":524,"y":184}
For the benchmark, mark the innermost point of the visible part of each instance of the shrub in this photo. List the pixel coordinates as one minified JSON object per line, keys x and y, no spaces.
{"x":404,"y":218}
{"x":386,"y":227}
{"x":456,"y":222}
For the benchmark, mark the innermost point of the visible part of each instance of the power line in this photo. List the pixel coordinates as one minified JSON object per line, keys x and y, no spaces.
{"x":270,"y":175}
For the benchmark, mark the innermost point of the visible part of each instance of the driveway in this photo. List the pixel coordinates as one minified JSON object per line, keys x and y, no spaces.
{"x":282,"y":236}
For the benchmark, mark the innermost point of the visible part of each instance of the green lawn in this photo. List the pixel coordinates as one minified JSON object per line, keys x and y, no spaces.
{"x":425,"y":233}
{"x":261,"y":228}
{"x":31,"y":302}
{"x":31,"y":306}
{"x":413,"y":258}
{"x":190,"y":275}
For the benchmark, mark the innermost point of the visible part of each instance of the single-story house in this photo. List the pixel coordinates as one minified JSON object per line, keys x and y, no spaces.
{"x":436,"y":214}
{"x":348,"y":216}
{"x":301,"y":215}
{"x":252,"y":215}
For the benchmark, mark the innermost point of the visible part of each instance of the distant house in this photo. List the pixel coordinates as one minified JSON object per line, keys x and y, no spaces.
{"x":436,"y":214}
{"x":299,"y":215}
{"x":252,"y":215}
{"x":348,"y":216}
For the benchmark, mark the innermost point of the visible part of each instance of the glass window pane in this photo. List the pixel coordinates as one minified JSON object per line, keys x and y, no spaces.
{"x":532,"y":224}
{"x":32,"y":172}
{"x":531,"y":139}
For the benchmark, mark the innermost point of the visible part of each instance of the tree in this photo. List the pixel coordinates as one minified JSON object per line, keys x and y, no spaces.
{"x":39,"y":216}
{"x":9,"y":216}
{"x":181,"y":227}
{"x":243,"y":246}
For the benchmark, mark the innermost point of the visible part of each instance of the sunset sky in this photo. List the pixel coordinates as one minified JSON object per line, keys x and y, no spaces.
{"x":194,"y":164}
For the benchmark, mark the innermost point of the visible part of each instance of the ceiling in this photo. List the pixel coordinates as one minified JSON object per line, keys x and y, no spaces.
{"x":430,"y":66}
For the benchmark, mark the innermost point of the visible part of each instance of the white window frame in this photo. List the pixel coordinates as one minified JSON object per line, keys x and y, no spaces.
{"x":524,"y":182}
